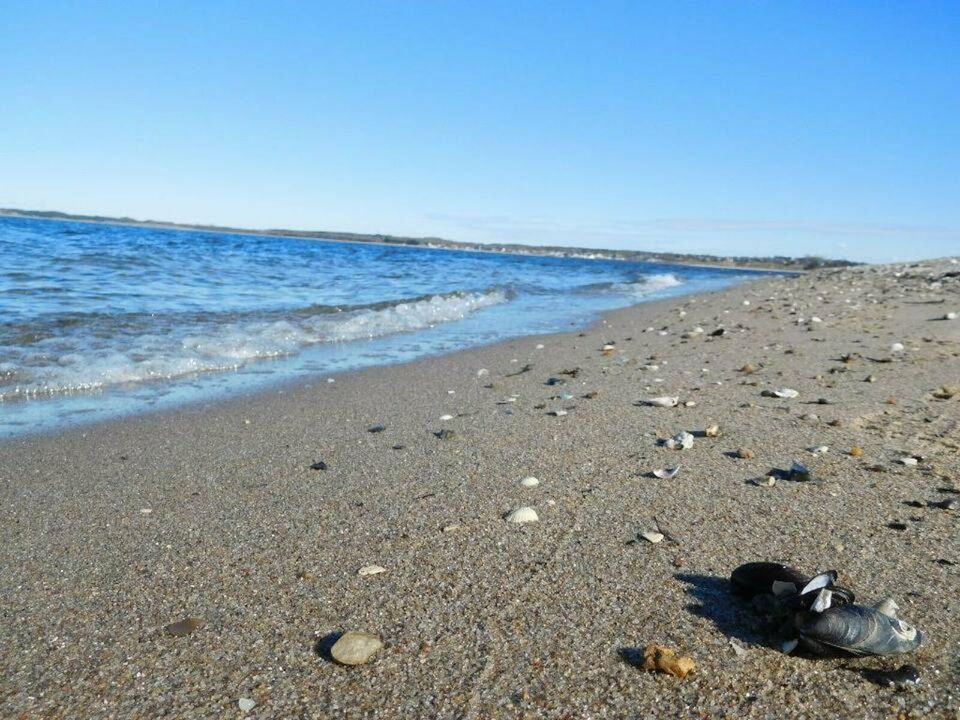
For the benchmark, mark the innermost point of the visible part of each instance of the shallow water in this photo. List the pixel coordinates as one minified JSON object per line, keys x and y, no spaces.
{"x":101,"y":320}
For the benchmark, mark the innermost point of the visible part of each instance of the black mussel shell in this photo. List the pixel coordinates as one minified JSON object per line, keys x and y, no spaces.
{"x":757,"y":578}
{"x":855,"y":630}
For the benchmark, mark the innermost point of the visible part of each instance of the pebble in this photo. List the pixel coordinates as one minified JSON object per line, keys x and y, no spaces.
{"x":558,"y":413}
{"x":652,"y":536}
{"x":446,"y":434}
{"x":355,"y":648}
{"x":319,"y":465}
{"x":529,"y":482}
{"x":712,"y":431}
{"x":246,"y":704}
{"x":950,"y":316}
{"x":855,"y":451}
{"x":446,"y":417}
{"x":183,"y":627}
{"x":745,"y":453}
{"x":910,"y":461}
{"x":523,"y":515}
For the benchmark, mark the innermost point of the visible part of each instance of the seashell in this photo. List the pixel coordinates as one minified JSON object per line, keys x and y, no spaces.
{"x":910,"y":461}
{"x":857,"y":630}
{"x":759,"y":578}
{"x":652,"y":536}
{"x":558,"y":413}
{"x":748,"y":369}
{"x":681,"y":441}
{"x":690,"y":403}
{"x":820,"y":450}
{"x":664,"y":402}
{"x":950,"y":316}
{"x":897,"y":347}
{"x":667,"y":473}
{"x":446,"y":417}
{"x":371,"y":570}
{"x":712,"y":431}
{"x":609,"y":347}
{"x":786,"y":393}
{"x":529,"y":482}
{"x":523,"y":515}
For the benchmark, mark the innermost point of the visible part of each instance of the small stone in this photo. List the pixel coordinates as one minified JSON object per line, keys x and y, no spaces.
{"x":446,"y":434}
{"x":529,"y":482}
{"x":745,"y":453}
{"x":246,"y":704}
{"x":856,"y":451}
{"x":712,"y":431}
{"x":319,"y":465}
{"x":870,"y":378}
{"x":950,"y":316}
{"x":748,"y":369}
{"x":909,"y":461}
{"x":652,"y":536}
{"x":304,"y":575}
{"x":523,"y":515}
{"x":559,"y":413}
{"x":446,"y":417}
{"x":183,"y":627}
{"x":665,"y":660}
{"x":371,"y":570}
{"x":355,"y":648}
{"x":376,"y":428}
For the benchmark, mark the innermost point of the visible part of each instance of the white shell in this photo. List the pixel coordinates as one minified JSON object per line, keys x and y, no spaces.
{"x":897,"y":347}
{"x":523,"y":515}
{"x":371,"y":570}
{"x":651,"y":536}
{"x":950,"y":316}
{"x":559,"y":413}
{"x":667,"y":473}
{"x":664,"y":402}
{"x":446,"y":417}
{"x":680,"y":441}
{"x":786,"y":393}
{"x":529,"y":482}
{"x":909,"y":461}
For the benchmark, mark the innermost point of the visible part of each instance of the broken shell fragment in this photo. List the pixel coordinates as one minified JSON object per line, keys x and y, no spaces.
{"x":664,"y":402}
{"x":652,"y":536}
{"x":665,"y":660}
{"x":371,"y":570}
{"x":782,"y":393}
{"x":712,"y":431}
{"x":529,"y":482}
{"x":681,"y":441}
{"x":667,"y":473}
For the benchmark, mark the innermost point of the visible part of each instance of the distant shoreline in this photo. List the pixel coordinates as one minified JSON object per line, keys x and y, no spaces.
{"x":772,"y":264}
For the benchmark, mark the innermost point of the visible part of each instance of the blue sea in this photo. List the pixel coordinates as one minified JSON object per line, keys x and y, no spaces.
{"x":99,"y":321}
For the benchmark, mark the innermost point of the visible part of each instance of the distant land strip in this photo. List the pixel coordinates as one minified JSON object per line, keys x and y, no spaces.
{"x":777,"y":262}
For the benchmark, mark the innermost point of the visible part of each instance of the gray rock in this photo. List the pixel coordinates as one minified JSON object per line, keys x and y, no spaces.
{"x":355,"y":648}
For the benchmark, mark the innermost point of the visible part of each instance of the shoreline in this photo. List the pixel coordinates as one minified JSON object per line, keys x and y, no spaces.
{"x":114,"y":530}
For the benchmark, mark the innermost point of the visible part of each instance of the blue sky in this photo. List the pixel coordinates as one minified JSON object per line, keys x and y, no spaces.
{"x":794,"y":128}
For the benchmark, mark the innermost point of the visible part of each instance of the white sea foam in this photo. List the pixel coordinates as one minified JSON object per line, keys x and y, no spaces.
{"x":229,"y":346}
{"x":649,"y":284}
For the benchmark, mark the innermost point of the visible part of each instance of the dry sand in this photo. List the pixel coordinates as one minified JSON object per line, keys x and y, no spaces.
{"x":110,"y":532}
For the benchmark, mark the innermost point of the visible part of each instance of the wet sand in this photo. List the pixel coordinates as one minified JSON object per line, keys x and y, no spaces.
{"x":108,"y":533}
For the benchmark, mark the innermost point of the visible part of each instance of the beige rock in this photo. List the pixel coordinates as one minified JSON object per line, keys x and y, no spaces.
{"x":355,"y":648}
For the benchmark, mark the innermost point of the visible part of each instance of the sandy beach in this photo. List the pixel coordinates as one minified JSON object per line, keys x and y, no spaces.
{"x":111,"y":532}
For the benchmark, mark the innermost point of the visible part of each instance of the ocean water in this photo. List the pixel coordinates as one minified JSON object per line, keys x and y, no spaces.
{"x":98,"y":321}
